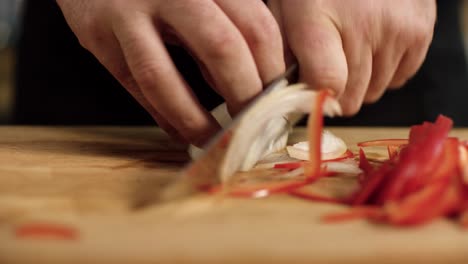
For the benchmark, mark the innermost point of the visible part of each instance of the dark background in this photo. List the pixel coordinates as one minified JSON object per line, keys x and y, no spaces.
{"x":58,"y":82}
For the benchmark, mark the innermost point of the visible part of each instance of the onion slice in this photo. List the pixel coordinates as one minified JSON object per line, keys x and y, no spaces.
{"x":331,"y":147}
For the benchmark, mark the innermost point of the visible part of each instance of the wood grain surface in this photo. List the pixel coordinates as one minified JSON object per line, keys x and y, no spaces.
{"x":100,"y":183}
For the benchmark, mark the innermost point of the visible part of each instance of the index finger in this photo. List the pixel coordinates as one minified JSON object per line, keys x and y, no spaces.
{"x":159,"y":80}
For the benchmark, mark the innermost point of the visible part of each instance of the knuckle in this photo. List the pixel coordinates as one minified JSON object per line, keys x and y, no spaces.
{"x":328,"y":77}
{"x":422,"y":34}
{"x":192,"y":129}
{"x":412,"y":32}
{"x":146,"y":71}
{"x":311,"y":37}
{"x":221,"y":44}
{"x":263,"y":31}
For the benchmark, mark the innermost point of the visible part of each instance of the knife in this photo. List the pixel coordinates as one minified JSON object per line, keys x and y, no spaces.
{"x":205,"y":170}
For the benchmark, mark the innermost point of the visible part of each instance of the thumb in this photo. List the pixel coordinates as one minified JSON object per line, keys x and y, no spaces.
{"x":317,"y":45}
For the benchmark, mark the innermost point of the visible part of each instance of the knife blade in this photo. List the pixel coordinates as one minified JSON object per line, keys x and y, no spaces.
{"x":205,"y":169}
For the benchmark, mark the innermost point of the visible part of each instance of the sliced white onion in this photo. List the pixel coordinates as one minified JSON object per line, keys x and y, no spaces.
{"x":332,"y":147}
{"x":251,"y":134}
{"x":343,"y":167}
{"x":272,"y":159}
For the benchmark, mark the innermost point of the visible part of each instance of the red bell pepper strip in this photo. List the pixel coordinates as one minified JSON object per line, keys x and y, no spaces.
{"x":289,"y":165}
{"x":383,"y":142}
{"x":417,"y":158}
{"x":348,"y":154}
{"x":314,"y":133}
{"x":371,"y":183}
{"x":418,"y":132}
{"x":392,"y":151}
{"x":46,"y":231}
{"x":257,"y":190}
{"x":308,"y":195}
{"x":447,"y":166}
{"x":362,"y":212}
{"x":437,"y":199}
{"x":364,"y":163}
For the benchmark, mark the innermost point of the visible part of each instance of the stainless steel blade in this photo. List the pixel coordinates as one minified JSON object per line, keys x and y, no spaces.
{"x":204,"y":171}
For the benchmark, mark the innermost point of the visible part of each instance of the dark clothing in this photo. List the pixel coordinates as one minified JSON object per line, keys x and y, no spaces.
{"x":59,"y":82}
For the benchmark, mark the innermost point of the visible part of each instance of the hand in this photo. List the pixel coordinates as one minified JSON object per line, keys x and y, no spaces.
{"x":357,"y":48}
{"x":238,"y":43}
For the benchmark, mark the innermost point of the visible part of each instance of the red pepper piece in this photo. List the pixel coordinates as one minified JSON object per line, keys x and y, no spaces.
{"x":289,"y":165}
{"x":417,"y":159}
{"x":437,"y":199}
{"x":363,"y":212}
{"x":256,"y":190}
{"x":348,"y":154}
{"x":371,"y":183}
{"x":448,"y":163}
{"x":392,"y":151}
{"x":364,"y":164}
{"x":46,"y":230}
{"x":308,"y":195}
{"x":418,"y":132}
{"x":314,"y":133}
{"x":383,"y":142}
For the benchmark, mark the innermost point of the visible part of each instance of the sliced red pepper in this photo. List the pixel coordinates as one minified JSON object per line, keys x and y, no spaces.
{"x":371,"y":183}
{"x":314,"y":133}
{"x":447,"y":168}
{"x":364,"y":163}
{"x":392,"y":151}
{"x":46,"y":231}
{"x":417,"y":159}
{"x":289,"y":165}
{"x":437,"y":199}
{"x":383,"y":142}
{"x":418,"y":132}
{"x":362,"y":212}
{"x":348,"y":154}
{"x":257,"y":190}
{"x":308,"y":195}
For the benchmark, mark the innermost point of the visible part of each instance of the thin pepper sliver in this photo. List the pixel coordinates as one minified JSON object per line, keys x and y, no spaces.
{"x":46,"y":231}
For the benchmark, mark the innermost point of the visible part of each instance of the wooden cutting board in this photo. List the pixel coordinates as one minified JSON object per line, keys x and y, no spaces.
{"x":99,"y":185}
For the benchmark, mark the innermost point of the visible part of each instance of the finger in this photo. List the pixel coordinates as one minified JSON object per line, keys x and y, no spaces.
{"x":408,"y":67}
{"x":275,"y":8}
{"x":110,"y":56}
{"x":261,"y":31}
{"x":359,"y":61}
{"x":385,"y":65}
{"x":420,"y":38}
{"x":215,"y":40}
{"x":316,"y":43}
{"x":160,"y":82}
